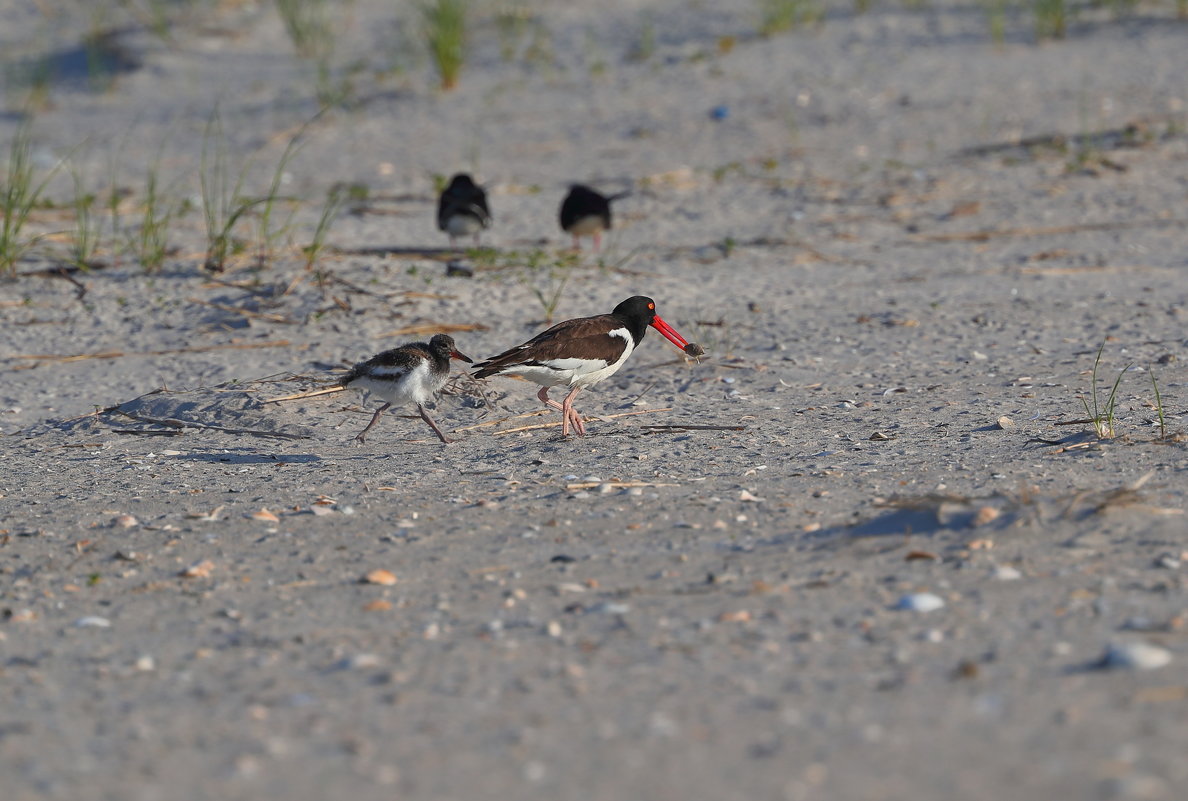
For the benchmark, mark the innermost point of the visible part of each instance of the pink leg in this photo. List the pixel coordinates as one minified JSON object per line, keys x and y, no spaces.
{"x":570,"y":415}
{"x":547,"y":401}
{"x":597,"y":241}
{"x":577,"y":245}
{"x":425,"y":416}
{"x":374,"y":419}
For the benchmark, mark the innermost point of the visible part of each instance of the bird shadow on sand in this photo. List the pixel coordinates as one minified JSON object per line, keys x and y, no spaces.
{"x":234,"y":408}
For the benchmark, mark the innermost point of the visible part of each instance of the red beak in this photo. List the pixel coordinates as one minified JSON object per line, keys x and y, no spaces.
{"x":669,"y":333}
{"x":457,"y":354}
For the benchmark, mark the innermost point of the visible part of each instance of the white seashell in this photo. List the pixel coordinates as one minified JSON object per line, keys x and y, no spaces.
{"x":92,"y":622}
{"x":1007,"y":573}
{"x":920,"y":602}
{"x":1135,"y":656}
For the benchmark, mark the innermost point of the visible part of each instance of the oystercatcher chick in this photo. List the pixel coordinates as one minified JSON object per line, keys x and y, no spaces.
{"x":412,"y":373}
{"x":585,"y":212}
{"x":581,"y":352}
{"x":462,"y":208}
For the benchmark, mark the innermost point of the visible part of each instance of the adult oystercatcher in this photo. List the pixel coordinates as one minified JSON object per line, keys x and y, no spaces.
{"x":412,"y":373}
{"x":585,"y":212}
{"x":462,"y":208}
{"x":581,"y":352}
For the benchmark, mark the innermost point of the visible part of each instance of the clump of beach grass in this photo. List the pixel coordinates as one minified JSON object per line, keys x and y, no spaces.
{"x":150,"y":242}
{"x":1101,"y":415}
{"x":443,"y":23}
{"x":335,"y":198}
{"x":778,"y":16}
{"x":19,"y":195}
{"x":84,"y":240}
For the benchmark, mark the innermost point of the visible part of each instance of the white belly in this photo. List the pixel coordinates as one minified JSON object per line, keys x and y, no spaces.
{"x":463,"y":225}
{"x":407,"y":386}
{"x":587,"y":226}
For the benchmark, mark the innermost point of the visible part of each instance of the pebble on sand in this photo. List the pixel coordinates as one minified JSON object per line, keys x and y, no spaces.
{"x":920,"y":602}
{"x":198,"y":570}
{"x":1134,"y":656}
{"x":385,"y":578}
{"x":92,"y":622}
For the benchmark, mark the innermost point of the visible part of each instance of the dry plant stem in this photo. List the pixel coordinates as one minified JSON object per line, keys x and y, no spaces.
{"x":490,"y":423}
{"x":301,"y":395}
{"x":690,"y":427}
{"x":598,"y":417}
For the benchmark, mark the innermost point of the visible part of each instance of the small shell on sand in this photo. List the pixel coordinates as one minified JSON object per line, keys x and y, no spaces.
{"x":1134,"y":656}
{"x":92,"y":622}
{"x":198,"y":570}
{"x":380,"y":576}
{"x":920,"y":602}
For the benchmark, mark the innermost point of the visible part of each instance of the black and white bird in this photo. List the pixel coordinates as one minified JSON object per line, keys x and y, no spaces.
{"x":581,"y":352}
{"x":412,"y":373}
{"x":585,"y":212}
{"x":462,"y":208}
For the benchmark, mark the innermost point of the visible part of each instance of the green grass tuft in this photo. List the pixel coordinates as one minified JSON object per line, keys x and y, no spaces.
{"x":1101,"y":416}
{"x":335,"y":199}
{"x":84,"y":240}
{"x":778,"y":16}
{"x":444,"y":28}
{"x":19,"y":195}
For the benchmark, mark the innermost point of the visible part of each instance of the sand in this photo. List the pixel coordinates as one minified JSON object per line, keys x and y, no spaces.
{"x":902,"y":246}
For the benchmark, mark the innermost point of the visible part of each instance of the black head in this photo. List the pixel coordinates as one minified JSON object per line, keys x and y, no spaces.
{"x":586,"y":197}
{"x":640,"y":312}
{"x":637,"y":308}
{"x":582,"y":202}
{"x":443,"y":347}
{"x":460,"y":183}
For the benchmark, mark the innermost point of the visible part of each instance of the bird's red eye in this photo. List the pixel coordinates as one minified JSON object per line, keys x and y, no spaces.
{"x":651,"y":307}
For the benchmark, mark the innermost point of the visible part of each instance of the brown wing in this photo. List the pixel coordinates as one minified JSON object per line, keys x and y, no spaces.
{"x":582,"y":338}
{"x":404,"y":358}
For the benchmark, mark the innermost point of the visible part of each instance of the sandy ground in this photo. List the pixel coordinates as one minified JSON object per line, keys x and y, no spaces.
{"x":891,"y":235}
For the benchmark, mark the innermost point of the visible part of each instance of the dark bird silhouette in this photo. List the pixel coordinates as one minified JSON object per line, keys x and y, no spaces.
{"x":586,"y":212}
{"x":462,"y":208}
